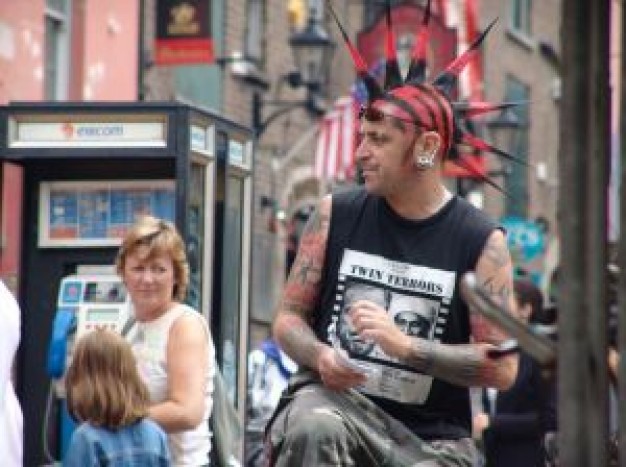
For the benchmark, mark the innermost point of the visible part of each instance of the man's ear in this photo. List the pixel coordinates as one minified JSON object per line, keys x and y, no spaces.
{"x":431,"y":141}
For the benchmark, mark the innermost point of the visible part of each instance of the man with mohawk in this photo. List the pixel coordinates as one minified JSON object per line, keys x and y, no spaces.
{"x":405,"y":240}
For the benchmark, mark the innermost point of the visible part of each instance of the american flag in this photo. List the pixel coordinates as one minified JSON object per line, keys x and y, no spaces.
{"x":334,"y":157}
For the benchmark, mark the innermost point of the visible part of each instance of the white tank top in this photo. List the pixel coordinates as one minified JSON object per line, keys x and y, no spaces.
{"x":191,"y":447}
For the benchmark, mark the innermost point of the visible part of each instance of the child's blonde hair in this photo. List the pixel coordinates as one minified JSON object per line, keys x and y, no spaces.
{"x":102,"y":383}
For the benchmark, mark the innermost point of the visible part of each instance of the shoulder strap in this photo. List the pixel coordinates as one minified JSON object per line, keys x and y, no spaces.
{"x":128,"y":325}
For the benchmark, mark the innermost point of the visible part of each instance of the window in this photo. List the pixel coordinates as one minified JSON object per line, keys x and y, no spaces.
{"x":373,"y":9}
{"x":520,"y":14}
{"x":255,"y":32}
{"x":56,"y":67}
{"x":517,"y":179}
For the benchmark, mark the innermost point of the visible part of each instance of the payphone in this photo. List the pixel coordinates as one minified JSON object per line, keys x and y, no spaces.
{"x":93,"y":298}
{"x":89,"y":169}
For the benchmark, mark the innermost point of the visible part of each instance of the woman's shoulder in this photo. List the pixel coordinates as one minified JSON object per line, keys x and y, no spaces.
{"x":186,"y":313}
{"x":189,"y":322}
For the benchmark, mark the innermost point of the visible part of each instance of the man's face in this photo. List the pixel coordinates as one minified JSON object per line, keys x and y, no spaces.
{"x":385,"y":154}
{"x":350,"y":338}
{"x":347,"y":334}
{"x":411,"y":323}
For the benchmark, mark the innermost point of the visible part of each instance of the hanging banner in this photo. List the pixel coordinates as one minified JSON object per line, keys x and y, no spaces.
{"x":407,"y":20}
{"x":183,"y":32}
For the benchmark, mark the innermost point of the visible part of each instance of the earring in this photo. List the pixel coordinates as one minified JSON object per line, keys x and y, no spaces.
{"x":426,"y":160}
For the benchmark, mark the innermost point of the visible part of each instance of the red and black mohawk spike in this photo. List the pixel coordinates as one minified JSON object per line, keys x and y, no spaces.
{"x":417,"y":67}
{"x":434,"y":100}
{"x":374,"y":90}
{"x":481,"y":176}
{"x":476,"y":108}
{"x":476,"y":142}
{"x":446,"y":80}
{"x":393,"y":77}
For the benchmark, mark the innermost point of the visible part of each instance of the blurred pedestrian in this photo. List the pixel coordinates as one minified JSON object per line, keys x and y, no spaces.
{"x":11,"y":420}
{"x":269,"y":369}
{"x":109,"y":399}
{"x":515,"y":421}
{"x":172,"y":343}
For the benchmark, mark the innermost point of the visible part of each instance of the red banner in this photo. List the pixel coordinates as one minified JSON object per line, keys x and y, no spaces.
{"x":407,"y":21}
{"x":183,"y":32}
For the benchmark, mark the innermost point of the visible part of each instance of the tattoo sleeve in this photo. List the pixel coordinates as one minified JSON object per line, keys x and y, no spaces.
{"x":495,"y":274}
{"x":463,"y":365}
{"x":292,"y":323}
{"x":469,"y":364}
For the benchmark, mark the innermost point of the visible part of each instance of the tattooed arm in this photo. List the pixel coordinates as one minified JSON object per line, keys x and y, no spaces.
{"x":495,"y":272}
{"x":460,"y":364}
{"x":291,"y":327}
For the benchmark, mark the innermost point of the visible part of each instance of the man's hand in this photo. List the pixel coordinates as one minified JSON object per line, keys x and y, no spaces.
{"x":374,"y":324}
{"x":480,"y":423}
{"x":334,"y":374}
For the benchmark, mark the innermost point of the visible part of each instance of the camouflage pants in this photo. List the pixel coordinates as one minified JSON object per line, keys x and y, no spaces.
{"x":315,"y":426}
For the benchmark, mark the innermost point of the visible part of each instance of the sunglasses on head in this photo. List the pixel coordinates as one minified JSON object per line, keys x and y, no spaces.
{"x":372,"y":114}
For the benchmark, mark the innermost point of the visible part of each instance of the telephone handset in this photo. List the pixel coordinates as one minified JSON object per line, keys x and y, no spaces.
{"x":86,"y":302}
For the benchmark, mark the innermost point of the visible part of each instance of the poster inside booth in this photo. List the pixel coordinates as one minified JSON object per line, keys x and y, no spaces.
{"x":99,"y":213}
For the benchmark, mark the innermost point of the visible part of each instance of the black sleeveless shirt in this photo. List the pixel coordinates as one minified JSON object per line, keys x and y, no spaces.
{"x":411,"y":269}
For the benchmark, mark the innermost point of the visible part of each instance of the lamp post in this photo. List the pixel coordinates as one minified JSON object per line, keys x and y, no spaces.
{"x":312,"y":49}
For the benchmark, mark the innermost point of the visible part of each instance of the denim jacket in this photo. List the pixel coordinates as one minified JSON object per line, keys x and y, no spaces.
{"x":141,"y":444}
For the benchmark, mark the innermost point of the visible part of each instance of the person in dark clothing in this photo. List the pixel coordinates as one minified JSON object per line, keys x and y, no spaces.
{"x":407,"y":401}
{"x":515,"y":421}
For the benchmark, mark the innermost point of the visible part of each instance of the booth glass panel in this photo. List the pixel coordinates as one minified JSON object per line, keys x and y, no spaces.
{"x":195,"y":230}
{"x":231,"y":283}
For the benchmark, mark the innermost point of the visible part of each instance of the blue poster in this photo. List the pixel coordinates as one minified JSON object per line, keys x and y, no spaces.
{"x":93,"y":213}
{"x":93,"y":210}
{"x":525,"y":239}
{"x":63,"y":209}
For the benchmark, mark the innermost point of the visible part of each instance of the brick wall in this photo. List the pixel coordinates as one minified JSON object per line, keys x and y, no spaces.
{"x":504,"y":54}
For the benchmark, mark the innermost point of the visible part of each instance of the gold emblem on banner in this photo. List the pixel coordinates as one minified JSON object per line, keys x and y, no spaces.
{"x":183,"y":20}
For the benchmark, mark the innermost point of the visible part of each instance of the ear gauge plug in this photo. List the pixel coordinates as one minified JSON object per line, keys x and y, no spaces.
{"x":424,"y":159}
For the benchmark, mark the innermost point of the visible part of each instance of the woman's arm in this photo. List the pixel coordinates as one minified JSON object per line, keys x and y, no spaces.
{"x":187,"y":368}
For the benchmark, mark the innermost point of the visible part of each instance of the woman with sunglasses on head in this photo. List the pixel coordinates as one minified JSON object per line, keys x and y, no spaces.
{"x":172,"y":343}
{"x":408,"y":400}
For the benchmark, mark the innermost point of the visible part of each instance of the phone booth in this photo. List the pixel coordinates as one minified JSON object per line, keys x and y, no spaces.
{"x":89,"y":170}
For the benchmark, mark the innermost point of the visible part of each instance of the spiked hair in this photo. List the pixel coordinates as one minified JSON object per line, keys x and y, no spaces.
{"x":429,"y":105}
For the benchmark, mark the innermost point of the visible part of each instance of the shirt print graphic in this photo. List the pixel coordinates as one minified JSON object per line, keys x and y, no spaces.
{"x":418,"y":300}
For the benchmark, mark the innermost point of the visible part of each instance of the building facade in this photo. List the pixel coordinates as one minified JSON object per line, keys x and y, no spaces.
{"x":59,"y":50}
{"x":521,"y":63}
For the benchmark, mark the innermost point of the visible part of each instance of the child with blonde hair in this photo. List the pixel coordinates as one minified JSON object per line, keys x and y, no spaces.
{"x":109,"y":399}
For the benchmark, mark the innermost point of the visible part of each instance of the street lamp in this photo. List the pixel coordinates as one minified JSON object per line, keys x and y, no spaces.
{"x":312,"y":49}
